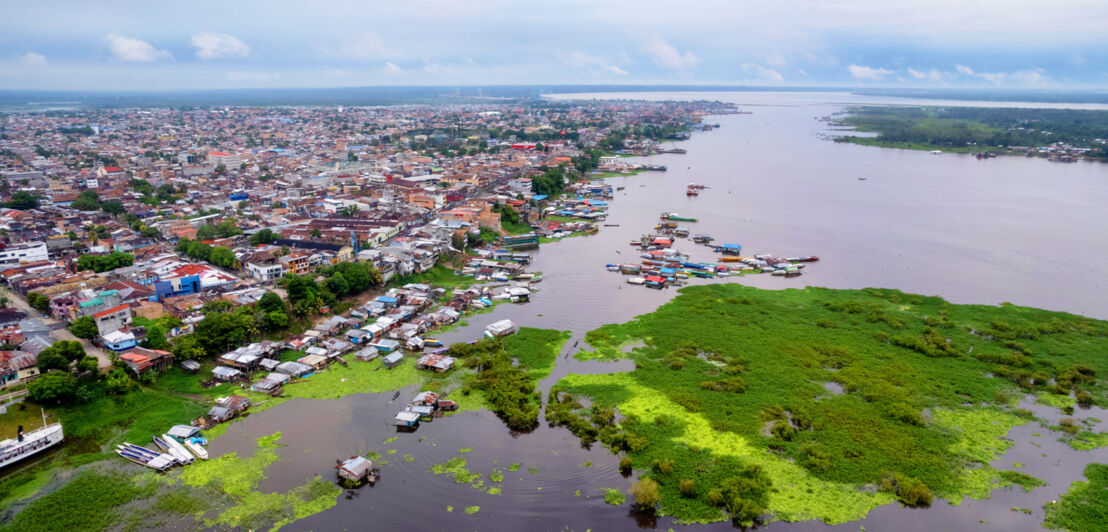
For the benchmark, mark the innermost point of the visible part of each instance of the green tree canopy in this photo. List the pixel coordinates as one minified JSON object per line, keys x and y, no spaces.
{"x":84,"y":327}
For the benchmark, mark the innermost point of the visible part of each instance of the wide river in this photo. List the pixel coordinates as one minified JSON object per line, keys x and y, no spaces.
{"x":1010,"y":229}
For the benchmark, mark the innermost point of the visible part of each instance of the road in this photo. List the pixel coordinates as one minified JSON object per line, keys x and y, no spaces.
{"x":17,"y":301}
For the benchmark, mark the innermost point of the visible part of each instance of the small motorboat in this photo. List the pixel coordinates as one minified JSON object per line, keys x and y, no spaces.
{"x":194,"y":446}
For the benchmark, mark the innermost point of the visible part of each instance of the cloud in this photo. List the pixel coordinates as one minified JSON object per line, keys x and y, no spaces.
{"x":932,"y":75}
{"x":1032,"y":77}
{"x":134,"y":50}
{"x":337,"y":72}
{"x":251,"y":75}
{"x":33,"y":59}
{"x":435,"y":68}
{"x":761,"y":74}
{"x":218,"y":45}
{"x":865,"y":72}
{"x":578,"y":59}
{"x":666,"y":54}
{"x":391,"y":68}
{"x":366,"y":45}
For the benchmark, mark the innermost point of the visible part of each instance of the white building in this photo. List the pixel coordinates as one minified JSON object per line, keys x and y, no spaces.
{"x":228,"y":160}
{"x":24,"y":252}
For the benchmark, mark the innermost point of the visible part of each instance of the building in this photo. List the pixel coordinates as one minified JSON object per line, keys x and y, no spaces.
{"x":228,"y":160}
{"x":142,"y":360}
{"x":118,"y":340}
{"x":24,"y":252}
{"x":112,"y":319}
{"x":296,"y":262}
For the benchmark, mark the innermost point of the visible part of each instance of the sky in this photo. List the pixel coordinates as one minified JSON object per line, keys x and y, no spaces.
{"x":199,"y":44}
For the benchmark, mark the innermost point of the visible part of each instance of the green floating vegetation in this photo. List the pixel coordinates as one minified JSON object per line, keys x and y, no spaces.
{"x":90,"y":502}
{"x":409,"y":458}
{"x":356,"y":377}
{"x":1023,"y":480}
{"x":613,"y":496}
{"x":470,"y":510}
{"x":536,"y":349}
{"x":533,"y":470}
{"x":250,"y":509}
{"x":390,"y":440}
{"x":496,"y":476}
{"x":449,"y":508}
{"x":1084,"y":508}
{"x":457,"y":467}
{"x":731,"y":377}
{"x":1087,"y":441}
{"x":514,"y":467}
{"x":464,"y":450}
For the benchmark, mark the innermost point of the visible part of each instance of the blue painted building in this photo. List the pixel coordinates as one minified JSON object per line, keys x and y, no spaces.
{"x":178,"y":286}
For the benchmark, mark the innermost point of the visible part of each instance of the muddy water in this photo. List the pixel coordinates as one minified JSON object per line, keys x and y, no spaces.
{"x":1008,"y":229}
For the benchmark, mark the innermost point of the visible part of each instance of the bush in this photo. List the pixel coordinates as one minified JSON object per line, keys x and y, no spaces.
{"x":662,"y":465}
{"x":687,"y":488}
{"x":913,"y":493}
{"x":625,"y":465}
{"x":715,"y":497}
{"x":55,"y":387}
{"x":646,"y":493}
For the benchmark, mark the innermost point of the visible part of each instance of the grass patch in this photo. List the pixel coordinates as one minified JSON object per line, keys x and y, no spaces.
{"x":1087,"y":441}
{"x":89,"y":502}
{"x":438,"y":275}
{"x":357,"y":377}
{"x":536,"y":349}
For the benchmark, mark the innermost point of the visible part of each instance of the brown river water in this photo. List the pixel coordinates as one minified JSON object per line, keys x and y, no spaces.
{"x":1011,"y":229}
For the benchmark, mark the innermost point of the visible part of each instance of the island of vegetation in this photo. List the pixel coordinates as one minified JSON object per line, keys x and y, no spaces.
{"x":974,"y":129}
{"x":756,"y":405}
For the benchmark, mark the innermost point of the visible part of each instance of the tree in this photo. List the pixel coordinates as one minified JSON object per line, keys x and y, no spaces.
{"x":315,"y":233}
{"x":88,"y":200}
{"x":84,"y":327}
{"x":271,"y":302}
{"x":646,"y":494}
{"x":72,"y":350}
{"x":551,"y":183}
{"x":155,"y":338}
{"x":22,"y":201}
{"x":54,"y":387}
{"x":276,"y":319}
{"x":224,"y":257}
{"x":39,"y":302}
{"x":337,"y":284}
{"x":119,"y":382}
{"x":104,"y":263}
{"x":88,"y":365}
{"x":187,"y":347}
{"x":265,"y":236}
{"x":148,"y":232}
{"x":51,"y":360}
{"x":112,"y":207}
{"x":220,"y":169}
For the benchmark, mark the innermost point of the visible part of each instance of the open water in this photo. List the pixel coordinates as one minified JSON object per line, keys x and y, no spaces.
{"x":1014,"y":229}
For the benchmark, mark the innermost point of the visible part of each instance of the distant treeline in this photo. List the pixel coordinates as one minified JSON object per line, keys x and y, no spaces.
{"x":986,"y":127}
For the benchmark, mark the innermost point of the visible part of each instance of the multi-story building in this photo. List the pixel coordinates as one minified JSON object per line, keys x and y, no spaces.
{"x":24,"y":253}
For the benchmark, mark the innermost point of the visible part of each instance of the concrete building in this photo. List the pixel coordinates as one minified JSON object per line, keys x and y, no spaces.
{"x":24,"y":252}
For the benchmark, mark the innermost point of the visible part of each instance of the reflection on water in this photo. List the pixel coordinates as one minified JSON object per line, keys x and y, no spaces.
{"x":971,"y":231}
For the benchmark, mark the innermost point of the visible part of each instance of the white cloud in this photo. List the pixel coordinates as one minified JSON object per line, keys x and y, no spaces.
{"x":964,"y":70}
{"x":1032,"y":77}
{"x":337,"y":72}
{"x":134,"y":50}
{"x":666,"y":54}
{"x":761,"y":74}
{"x":578,"y":59}
{"x":33,"y":59}
{"x":251,"y":75}
{"x":932,"y":75}
{"x":366,"y":45}
{"x":218,"y":45}
{"x":391,"y":68}
{"x":865,"y":72}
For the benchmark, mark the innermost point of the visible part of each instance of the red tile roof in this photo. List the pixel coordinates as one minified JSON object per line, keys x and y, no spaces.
{"x":109,"y":312}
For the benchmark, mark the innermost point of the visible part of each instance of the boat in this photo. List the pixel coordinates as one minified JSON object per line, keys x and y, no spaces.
{"x":196,"y":449}
{"x":174,"y":449}
{"x":612,"y":267}
{"x":702,"y":239}
{"x":778,"y":272}
{"x":431,"y":342}
{"x":674,"y":217}
{"x":636,"y":243}
{"x":31,"y":443}
{"x":145,"y":457}
{"x":636,"y":280}
{"x":692,"y":192}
